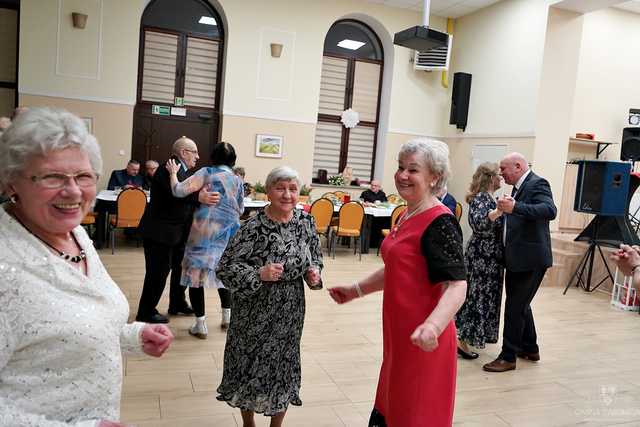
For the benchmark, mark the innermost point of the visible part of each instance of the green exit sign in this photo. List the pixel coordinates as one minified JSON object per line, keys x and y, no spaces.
{"x":161,"y":110}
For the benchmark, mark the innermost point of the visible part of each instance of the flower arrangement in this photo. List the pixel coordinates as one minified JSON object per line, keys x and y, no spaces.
{"x":337,"y":180}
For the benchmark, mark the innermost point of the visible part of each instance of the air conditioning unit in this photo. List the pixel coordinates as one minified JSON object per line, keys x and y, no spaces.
{"x":433,"y":59}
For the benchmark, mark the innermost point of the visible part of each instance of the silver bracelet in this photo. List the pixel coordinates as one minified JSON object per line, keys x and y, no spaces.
{"x":358,"y":290}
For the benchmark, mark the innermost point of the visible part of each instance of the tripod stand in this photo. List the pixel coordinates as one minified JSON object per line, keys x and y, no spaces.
{"x":587,"y":263}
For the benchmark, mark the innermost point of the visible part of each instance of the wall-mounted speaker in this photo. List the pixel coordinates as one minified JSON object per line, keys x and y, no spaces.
{"x":460,"y":100}
{"x":602,"y":187}
{"x":630,"y":149}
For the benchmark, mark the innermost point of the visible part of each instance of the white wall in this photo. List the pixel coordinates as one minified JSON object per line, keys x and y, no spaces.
{"x":502,"y":47}
{"x":608,"y":79}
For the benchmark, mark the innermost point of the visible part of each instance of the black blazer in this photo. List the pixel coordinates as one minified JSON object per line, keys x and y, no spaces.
{"x":528,"y":242}
{"x":167,"y":219}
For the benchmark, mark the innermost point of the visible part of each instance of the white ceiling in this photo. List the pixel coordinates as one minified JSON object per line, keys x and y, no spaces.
{"x":458,"y":8}
{"x":444,"y":8}
{"x":631,"y":6}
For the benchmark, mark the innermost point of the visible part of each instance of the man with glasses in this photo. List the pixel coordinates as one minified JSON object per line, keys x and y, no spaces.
{"x":165,"y":227}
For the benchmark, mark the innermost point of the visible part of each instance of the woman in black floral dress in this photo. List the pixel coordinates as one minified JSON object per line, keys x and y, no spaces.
{"x":478,"y":320}
{"x":264,"y":266}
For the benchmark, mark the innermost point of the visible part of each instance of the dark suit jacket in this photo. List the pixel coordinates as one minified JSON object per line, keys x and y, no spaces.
{"x":528,"y":242}
{"x":120,"y":178}
{"x":167,"y":219}
{"x":449,"y":201}
{"x":371,"y":197}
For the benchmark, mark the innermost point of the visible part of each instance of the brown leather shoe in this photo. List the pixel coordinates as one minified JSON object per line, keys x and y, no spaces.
{"x":499,"y":365}
{"x":533,"y":357}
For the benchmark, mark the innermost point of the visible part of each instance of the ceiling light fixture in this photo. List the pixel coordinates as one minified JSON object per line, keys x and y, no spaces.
{"x":350,"y":44}
{"x":207,"y":20}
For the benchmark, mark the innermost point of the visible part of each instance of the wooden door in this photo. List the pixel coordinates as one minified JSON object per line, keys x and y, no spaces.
{"x":175,"y":66}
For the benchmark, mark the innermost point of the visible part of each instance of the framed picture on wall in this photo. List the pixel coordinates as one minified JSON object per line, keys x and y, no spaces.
{"x":268,"y":146}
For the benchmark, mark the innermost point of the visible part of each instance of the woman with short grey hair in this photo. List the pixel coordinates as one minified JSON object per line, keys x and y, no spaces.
{"x":264,"y":267}
{"x":282,"y":173}
{"x":424,"y":285}
{"x":61,"y":311}
{"x":41,"y":131}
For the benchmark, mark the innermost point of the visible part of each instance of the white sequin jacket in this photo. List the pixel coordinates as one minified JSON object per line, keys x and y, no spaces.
{"x":61,"y":334}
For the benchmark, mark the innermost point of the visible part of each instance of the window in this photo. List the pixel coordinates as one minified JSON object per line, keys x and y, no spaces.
{"x":9,"y":21}
{"x":351,"y":77}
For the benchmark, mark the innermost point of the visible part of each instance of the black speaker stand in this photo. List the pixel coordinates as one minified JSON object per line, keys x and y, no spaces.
{"x":587,"y":263}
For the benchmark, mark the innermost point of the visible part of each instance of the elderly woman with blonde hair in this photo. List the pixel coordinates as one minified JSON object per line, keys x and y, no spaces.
{"x":423,"y":280}
{"x":264,"y":267}
{"x":63,"y":323}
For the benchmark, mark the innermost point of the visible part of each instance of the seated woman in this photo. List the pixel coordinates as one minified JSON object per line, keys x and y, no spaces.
{"x":264,"y":267}
{"x":211,"y":230}
{"x":63,"y":322}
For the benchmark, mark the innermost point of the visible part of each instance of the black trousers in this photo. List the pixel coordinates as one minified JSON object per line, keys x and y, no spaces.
{"x":519,"y":332}
{"x":159,"y":259}
{"x":196,"y":296}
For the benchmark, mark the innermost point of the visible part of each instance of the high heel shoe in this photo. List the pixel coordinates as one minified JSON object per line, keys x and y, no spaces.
{"x":469,"y":356}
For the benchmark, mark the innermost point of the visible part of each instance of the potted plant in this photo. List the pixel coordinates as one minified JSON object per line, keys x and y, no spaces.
{"x":305,"y":192}
{"x":260,"y":193}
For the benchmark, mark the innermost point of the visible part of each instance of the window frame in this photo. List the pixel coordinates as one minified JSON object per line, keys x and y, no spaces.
{"x":348,"y":101}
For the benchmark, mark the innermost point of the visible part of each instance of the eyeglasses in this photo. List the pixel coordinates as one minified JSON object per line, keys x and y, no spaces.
{"x":191,"y":151}
{"x":60,"y":180}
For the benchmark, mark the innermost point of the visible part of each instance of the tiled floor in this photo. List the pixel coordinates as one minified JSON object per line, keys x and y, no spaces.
{"x":588,"y":375}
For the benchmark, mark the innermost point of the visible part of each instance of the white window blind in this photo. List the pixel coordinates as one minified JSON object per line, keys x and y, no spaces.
{"x":360,"y":152}
{"x":326,"y":152}
{"x":159,"y":67}
{"x":201,"y":72}
{"x":365,"y":90}
{"x":333,"y":82}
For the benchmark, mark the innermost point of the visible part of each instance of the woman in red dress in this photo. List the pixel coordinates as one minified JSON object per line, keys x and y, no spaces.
{"x":424,"y":286}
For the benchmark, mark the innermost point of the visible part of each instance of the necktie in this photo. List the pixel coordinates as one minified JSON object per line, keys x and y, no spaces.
{"x":514,"y":190}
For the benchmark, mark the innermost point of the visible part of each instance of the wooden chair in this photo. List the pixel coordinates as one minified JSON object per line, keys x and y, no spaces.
{"x":89,"y":222}
{"x":395,"y":214}
{"x":458,"y":211}
{"x":130,"y":207}
{"x":349,"y":225}
{"x":322,"y":211}
{"x":331,"y":196}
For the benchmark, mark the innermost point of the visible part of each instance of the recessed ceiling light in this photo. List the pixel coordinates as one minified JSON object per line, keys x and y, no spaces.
{"x":350,"y":44}
{"x":207,"y":20}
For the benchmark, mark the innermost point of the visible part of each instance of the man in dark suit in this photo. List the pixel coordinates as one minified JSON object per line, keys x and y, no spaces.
{"x":527,"y":240}
{"x":448,"y":200}
{"x":374,"y":194}
{"x":126,"y":178}
{"x":165,"y":227}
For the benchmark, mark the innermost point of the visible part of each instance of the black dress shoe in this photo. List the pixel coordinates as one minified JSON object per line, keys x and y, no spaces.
{"x":533,"y":357}
{"x":184,"y":310}
{"x":154,"y":318}
{"x":469,"y":356}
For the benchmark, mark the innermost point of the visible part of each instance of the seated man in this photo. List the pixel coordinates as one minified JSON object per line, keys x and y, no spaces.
{"x":374,"y":194}
{"x":150,"y":168}
{"x":448,"y":200}
{"x":127,"y":178}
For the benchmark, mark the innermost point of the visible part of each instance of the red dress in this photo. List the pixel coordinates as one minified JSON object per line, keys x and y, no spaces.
{"x":415,"y":388}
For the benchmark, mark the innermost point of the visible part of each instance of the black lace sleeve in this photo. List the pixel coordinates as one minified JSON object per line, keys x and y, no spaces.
{"x":441,"y":245}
